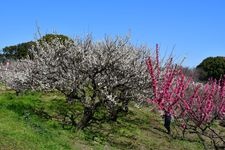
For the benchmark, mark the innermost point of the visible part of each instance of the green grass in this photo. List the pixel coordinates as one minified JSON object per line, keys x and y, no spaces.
{"x":24,"y":124}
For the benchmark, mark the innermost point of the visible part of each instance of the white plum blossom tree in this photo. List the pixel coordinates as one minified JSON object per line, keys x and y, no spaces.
{"x":108,"y":73}
{"x":17,"y":75}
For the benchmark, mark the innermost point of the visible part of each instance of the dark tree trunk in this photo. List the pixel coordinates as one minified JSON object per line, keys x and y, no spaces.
{"x":113,"y":114}
{"x":87,"y":116}
{"x":115,"y":110}
{"x":72,"y":96}
{"x":17,"y":92}
{"x":167,"y":121}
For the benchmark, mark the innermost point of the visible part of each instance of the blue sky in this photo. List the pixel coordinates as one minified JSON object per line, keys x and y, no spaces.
{"x":194,"y":29}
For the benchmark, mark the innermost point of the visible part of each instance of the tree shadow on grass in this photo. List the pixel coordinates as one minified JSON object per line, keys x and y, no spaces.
{"x":116,"y":134}
{"x":124,"y":132}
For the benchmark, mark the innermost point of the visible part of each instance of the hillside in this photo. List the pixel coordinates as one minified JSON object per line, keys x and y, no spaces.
{"x":26,"y":123}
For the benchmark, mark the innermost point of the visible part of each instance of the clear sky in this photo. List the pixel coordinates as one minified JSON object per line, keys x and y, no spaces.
{"x":194,"y":29}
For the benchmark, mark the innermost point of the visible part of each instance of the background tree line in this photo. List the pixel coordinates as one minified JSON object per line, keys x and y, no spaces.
{"x":20,"y":51}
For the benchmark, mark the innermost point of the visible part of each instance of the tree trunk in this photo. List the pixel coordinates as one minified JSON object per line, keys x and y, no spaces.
{"x":87,"y":116}
{"x":113,"y":114}
{"x":17,"y":92}
{"x":167,"y":121}
{"x":71,"y":97}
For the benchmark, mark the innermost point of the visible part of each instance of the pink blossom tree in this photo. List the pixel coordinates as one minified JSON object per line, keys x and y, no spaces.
{"x":202,"y":108}
{"x":196,"y":106}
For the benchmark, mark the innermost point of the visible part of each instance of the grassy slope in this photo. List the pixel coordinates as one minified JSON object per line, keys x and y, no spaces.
{"x":22,"y":127}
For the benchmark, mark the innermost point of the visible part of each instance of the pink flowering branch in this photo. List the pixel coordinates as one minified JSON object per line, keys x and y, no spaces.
{"x":167,"y":81}
{"x":196,"y":105}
